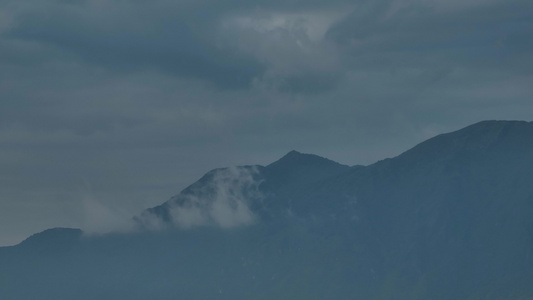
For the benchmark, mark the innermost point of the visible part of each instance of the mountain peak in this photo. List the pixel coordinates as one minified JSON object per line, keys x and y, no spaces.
{"x":293,"y":153}
{"x":297,"y":158}
{"x":300,"y":168}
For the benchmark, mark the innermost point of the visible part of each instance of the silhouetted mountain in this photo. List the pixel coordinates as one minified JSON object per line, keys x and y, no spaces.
{"x":451,"y":218}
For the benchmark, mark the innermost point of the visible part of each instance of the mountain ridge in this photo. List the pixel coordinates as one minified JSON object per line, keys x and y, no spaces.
{"x":451,"y":218}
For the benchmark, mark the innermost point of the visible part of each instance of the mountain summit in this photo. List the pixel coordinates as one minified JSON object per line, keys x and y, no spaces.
{"x":296,"y":159}
{"x":296,"y":168}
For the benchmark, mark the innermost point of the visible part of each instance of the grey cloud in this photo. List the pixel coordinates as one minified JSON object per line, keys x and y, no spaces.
{"x":136,"y":36}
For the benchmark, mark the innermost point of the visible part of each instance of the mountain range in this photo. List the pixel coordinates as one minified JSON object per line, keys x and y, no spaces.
{"x":451,"y":218}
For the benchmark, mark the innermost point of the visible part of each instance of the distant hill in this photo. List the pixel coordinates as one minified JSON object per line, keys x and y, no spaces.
{"x":451,"y":218}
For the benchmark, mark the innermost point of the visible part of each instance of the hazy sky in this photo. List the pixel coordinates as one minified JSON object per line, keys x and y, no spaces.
{"x":111,"y":106}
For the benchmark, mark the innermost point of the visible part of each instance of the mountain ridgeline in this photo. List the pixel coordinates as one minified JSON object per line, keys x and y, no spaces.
{"x":451,"y":218}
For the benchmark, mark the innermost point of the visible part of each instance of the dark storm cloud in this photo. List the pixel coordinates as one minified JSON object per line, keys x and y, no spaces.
{"x":126,"y":102}
{"x":132,"y":36}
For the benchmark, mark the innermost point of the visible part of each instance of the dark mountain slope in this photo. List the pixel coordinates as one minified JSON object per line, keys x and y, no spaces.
{"x":455,"y":212}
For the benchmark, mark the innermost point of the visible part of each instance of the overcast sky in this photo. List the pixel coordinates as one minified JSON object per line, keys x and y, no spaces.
{"x":108,"y":107}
